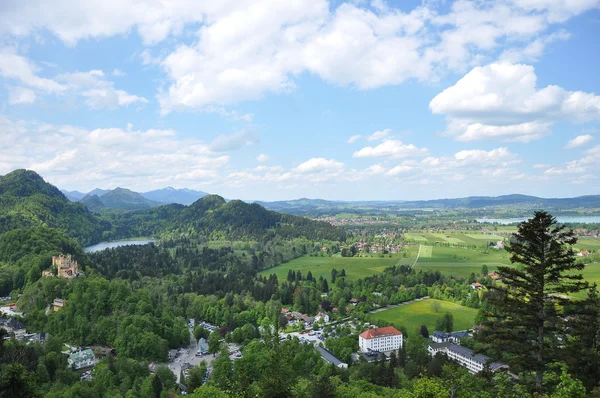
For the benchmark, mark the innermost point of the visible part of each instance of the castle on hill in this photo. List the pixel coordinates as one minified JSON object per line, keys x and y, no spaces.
{"x":65,"y":267}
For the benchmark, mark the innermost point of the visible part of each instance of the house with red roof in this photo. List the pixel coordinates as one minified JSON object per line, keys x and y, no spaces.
{"x":380,"y":339}
{"x":477,"y":286}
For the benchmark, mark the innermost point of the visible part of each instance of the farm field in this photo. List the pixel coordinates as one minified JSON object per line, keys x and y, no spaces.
{"x":356,"y":267}
{"x":454,"y":238}
{"x":588,"y":243}
{"x":460,"y":262}
{"x":413,"y":315}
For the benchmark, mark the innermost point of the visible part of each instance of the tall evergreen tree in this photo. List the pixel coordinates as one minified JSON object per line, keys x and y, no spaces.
{"x":525,"y":316}
{"x":583,"y":346}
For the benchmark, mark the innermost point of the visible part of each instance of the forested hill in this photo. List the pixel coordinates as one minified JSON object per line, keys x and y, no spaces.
{"x":26,"y":200}
{"x":215,"y":218}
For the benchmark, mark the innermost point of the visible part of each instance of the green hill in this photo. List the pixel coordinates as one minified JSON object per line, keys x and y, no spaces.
{"x":215,"y":218}
{"x":26,"y":200}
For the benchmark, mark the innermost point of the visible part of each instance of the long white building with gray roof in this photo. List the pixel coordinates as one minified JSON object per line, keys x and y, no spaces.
{"x":474,"y":363}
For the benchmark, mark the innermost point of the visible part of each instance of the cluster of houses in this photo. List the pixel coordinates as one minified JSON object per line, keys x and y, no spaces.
{"x":449,"y":345}
{"x":294,"y":317}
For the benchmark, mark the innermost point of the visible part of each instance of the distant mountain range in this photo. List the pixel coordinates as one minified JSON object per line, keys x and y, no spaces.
{"x":99,"y":200}
{"x":306,"y":206}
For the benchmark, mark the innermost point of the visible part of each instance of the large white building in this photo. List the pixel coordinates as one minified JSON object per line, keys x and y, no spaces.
{"x":474,"y":363}
{"x":380,"y":339}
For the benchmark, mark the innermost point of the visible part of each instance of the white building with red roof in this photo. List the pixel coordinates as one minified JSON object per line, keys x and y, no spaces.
{"x":380,"y":339}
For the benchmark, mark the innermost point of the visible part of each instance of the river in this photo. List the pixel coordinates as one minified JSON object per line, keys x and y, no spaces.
{"x":110,"y":245}
{"x":566,"y":219}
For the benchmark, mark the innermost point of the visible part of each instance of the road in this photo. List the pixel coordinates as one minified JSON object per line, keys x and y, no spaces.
{"x":389,"y":307}
{"x":417,"y":259}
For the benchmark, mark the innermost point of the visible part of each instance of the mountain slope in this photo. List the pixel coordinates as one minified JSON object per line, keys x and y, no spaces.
{"x":73,"y":196}
{"x":172,"y":195}
{"x":27,"y":200}
{"x":118,"y":198}
{"x":215,"y":218}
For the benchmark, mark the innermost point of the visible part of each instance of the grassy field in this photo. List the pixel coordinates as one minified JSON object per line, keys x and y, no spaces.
{"x":460,"y":262}
{"x":356,"y":267}
{"x":460,"y":238}
{"x":413,"y":315}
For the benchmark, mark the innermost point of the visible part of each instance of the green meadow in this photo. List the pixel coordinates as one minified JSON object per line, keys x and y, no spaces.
{"x":356,"y":267}
{"x":413,"y":315}
{"x":459,"y":261}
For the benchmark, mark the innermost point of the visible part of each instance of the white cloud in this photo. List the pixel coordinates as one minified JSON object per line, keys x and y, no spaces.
{"x":21,"y":95}
{"x":501,"y":101}
{"x":262,"y":158}
{"x":390,"y":148}
{"x":72,"y":157}
{"x":572,"y":167}
{"x":234,"y":141}
{"x":354,"y":138}
{"x":19,"y":68}
{"x":535,"y":49}
{"x":317,"y":165}
{"x":379,"y":135}
{"x":376,"y":169}
{"x":400,"y":170}
{"x":245,"y":49}
{"x":579,"y":141}
{"x":118,"y":72}
{"x":97,"y":91}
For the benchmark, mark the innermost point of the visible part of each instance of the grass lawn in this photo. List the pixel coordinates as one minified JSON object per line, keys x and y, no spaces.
{"x":356,"y":267}
{"x":413,"y":315}
{"x":461,"y":262}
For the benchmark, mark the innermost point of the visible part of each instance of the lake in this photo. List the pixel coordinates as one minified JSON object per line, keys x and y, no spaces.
{"x":112,"y":245}
{"x":568,"y":219}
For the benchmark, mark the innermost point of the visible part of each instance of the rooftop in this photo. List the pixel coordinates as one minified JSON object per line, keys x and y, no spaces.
{"x":437,"y":346}
{"x":329,"y":357}
{"x":380,"y":332}
{"x":466,"y":352}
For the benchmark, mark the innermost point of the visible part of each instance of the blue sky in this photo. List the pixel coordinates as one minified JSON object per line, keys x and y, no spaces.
{"x":277,"y":100}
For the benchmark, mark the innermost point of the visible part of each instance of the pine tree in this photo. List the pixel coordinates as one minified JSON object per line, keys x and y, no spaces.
{"x":525,"y":318}
{"x":583,"y":346}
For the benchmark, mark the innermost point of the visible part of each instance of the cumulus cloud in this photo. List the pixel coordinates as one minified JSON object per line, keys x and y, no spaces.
{"x":390,"y":148}
{"x":79,"y":158}
{"x":401,"y":169}
{"x":97,"y":91}
{"x":21,"y":69}
{"x":93,"y":86}
{"x":243,"y":50}
{"x":354,"y":138}
{"x":501,"y":101}
{"x":232,"y":142}
{"x":316,"y":165}
{"x":579,"y":141}
{"x":262,"y":158}
{"x":118,"y":72}
{"x":379,"y":135}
